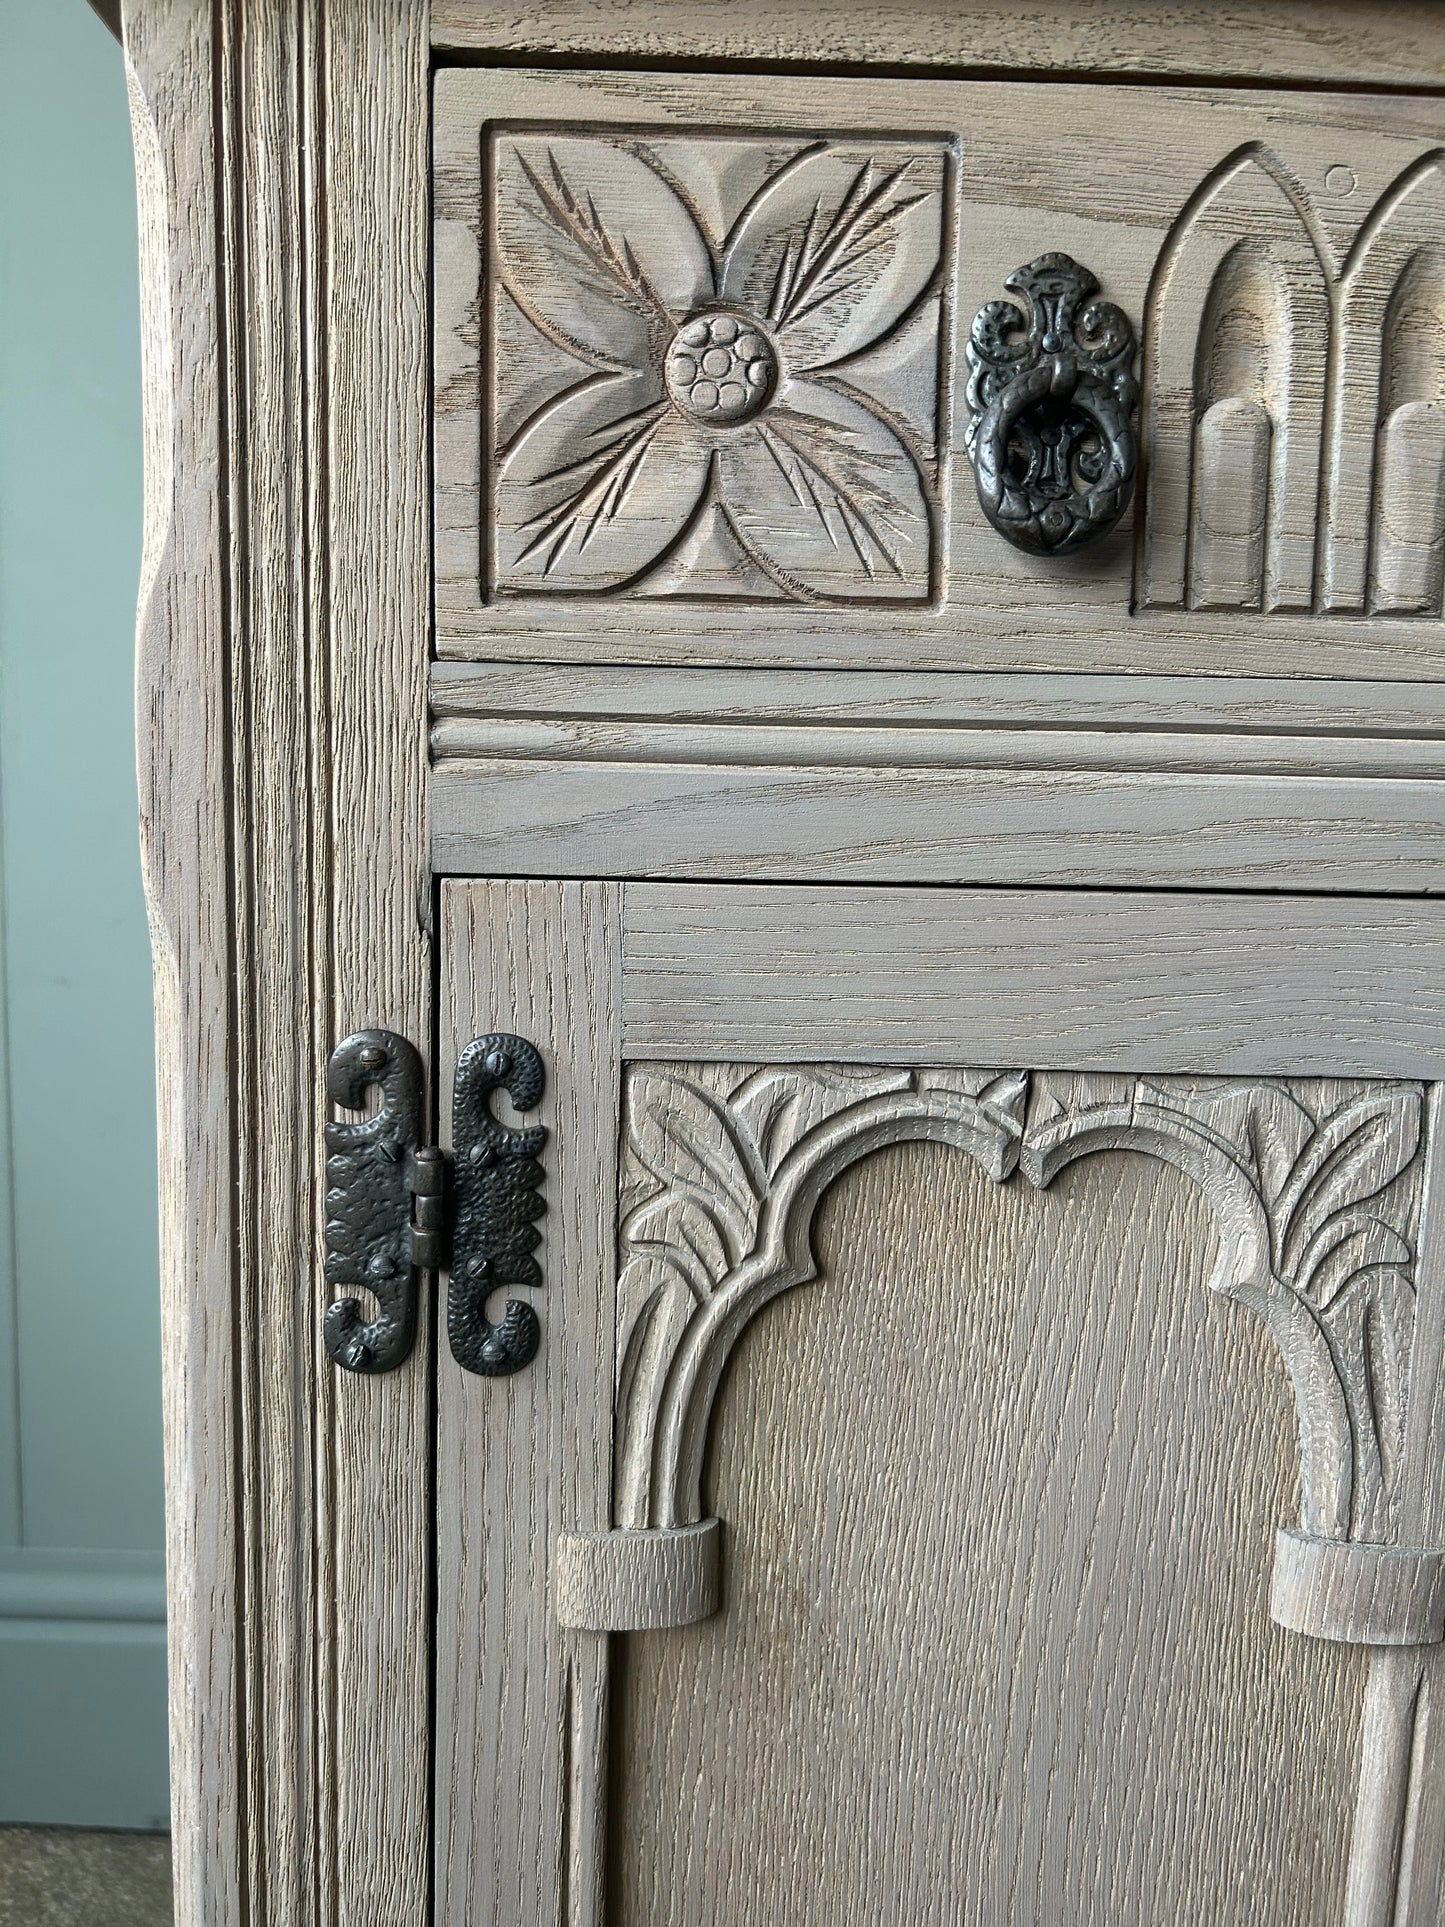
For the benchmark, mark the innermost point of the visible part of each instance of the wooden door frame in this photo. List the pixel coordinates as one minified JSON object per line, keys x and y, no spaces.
{"x":283,"y":639}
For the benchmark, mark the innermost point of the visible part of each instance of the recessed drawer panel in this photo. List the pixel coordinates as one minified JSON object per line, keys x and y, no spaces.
{"x":714,"y":359}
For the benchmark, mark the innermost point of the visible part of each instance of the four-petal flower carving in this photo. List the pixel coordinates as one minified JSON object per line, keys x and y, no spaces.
{"x":756,"y":407}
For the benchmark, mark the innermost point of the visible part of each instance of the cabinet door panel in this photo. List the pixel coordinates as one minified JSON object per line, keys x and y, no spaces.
{"x":994,"y":1386}
{"x":996,"y":1644}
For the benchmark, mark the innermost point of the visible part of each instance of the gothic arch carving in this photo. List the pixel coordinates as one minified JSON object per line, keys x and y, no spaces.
{"x":1235,"y":331}
{"x":1315,"y":1189}
{"x":723,"y":1173}
{"x":1384,"y":514}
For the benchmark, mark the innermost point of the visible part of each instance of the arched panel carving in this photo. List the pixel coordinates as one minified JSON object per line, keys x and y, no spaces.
{"x":1407,"y":521}
{"x":723,"y":1171}
{"x":1235,"y":333}
{"x":1240,"y":391}
{"x":1315,"y":1189}
{"x":1383,"y":506}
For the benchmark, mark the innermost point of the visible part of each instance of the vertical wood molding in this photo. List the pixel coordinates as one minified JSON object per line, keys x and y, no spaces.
{"x":370,"y":542}
{"x":1397,"y":1858}
{"x":521,"y":1704}
{"x":270,"y":410}
{"x":283,"y":642}
{"x":182,"y":705}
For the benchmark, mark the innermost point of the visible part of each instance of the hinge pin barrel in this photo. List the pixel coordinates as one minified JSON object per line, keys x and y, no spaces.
{"x":429,"y":1209}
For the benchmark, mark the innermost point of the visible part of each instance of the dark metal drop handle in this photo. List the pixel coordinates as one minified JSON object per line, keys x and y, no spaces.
{"x":1050,"y":398}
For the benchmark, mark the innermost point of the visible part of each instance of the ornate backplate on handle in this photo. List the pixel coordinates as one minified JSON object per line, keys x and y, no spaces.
{"x":1050,"y":399}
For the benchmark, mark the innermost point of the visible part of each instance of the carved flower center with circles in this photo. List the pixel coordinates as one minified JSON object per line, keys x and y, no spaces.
{"x":721,"y":367}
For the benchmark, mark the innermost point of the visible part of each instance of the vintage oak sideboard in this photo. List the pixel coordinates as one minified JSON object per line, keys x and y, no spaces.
{"x":793,"y":789}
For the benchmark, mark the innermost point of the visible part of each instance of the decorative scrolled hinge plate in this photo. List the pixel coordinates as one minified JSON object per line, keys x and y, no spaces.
{"x":496,"y":1175}
{"x":1051,"y":394}
{"x":397,"y":1206}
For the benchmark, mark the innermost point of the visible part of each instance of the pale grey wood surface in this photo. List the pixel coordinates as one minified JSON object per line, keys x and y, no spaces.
{"x":367,"y":132}
{"x":620,"y":1581}
{"x":520,"y":1705}
{"x":282,"y":696}
{"x":996,"y":1642}
{"x":939,"y":719}
{"x":784,"y":774}
{"x":1253,"y":985}
{"x":578,"y":511}
{"x":269,"y":251}
{"x":523,"y":815}
{"x":715,"y":1217}
{"x":288,"y":834}
{"x":182,"y":755}
{"x":1363,"y":1594}
{"x":1398,"y":45}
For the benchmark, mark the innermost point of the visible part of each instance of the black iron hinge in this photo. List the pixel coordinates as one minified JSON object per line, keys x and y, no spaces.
{"x":397,"y":1206}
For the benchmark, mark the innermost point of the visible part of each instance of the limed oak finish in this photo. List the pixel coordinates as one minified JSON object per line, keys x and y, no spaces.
{"x":981,"y":1459}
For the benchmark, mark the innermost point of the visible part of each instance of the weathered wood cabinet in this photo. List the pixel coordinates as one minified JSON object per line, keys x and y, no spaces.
{"x":857,"y":594}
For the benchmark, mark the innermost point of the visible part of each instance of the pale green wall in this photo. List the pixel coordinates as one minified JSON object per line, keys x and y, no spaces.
{"x":81,"y":1644}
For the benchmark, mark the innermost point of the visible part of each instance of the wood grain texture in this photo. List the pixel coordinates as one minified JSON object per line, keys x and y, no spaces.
{"x":620,"y":1581}
{"x":183,"y":762}
{"x":483,"y":712}
{"x":940,"y":778}
{"x":581,"y":503}
{"x":893,"y":821}
{"x":1252,"y":986}
{"x":1237,"y":342}
{"x":1316,"y":1190}
{"x":1390,"y":378}
{"x":1367,"y":1595}
{"x":1402,"y":1808}
{"x":372,"y":541}
{"x":1000,"y":1489}
{"x":1277,"y":40}
{"x":521,"y":1704}
{"x":268,"y":254}
{"x":300,"y":1692}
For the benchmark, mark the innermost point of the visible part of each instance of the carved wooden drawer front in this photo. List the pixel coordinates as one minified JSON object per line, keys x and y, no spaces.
{"x":702,"y":381}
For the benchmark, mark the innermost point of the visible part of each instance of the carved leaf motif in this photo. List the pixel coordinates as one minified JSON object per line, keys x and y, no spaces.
{"x":1340,"y":1237}
{"x":578,"y":222}
{"x":1318,"y":1238}
{"x":1350,"y":1246}
{"x":707,"y":1156}
{"x":723,"y":1167}
{"x":1355,"y":1153}
{"x":1008,"y":1095}
{"x":1262,"y":1124}
{"x":723,"y":427}
{"x":1312,"y":1174}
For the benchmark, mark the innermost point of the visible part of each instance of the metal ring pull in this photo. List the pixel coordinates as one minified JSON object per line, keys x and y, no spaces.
{"x":1050,"y":398}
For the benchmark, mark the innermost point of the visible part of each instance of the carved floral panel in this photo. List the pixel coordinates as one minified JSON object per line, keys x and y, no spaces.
{"x":716,"y":365}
